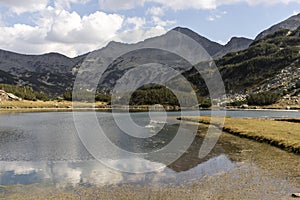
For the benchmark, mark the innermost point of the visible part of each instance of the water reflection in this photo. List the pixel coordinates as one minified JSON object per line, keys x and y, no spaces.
{"x":62,"y":173}
{"x":44,"y":148}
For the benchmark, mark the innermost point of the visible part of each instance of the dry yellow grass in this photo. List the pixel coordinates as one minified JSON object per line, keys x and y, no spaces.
{"x":282,"y":134}
{"x":24,"y":104}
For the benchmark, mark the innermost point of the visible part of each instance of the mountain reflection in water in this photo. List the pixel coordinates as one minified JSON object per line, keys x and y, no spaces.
{"x":62,"y":173}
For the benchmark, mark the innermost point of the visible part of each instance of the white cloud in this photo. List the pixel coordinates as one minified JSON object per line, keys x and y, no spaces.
{"x":137,"y":21}
{"x":215,"y":15}
{"x":55,"y":29}
{"x":62,"y":31}
{"x":187,"y":4}
{"x":17,"y":6}
{"x":71,"y":28}
{"x":120,"y":4}
{"x":143,"y":29}
{"x":136,"y":35}
{"x":156,"y":11}
{"x":184,"y":4}
{"x":159,"y":22}
{"x":66,"y":4}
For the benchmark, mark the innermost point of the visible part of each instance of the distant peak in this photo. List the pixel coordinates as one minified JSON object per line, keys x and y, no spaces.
{"x":233,"y":39}
{"x":179,"y":28}
{"x":182,"y":29}
{"x":52,"y":53}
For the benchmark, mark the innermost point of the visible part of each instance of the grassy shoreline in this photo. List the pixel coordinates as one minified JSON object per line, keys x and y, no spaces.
{"x":56,"y":106}
{"x":282,"y":134}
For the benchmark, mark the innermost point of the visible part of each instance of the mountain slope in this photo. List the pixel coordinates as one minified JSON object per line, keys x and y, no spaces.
{"x":54,"y":73}
{"x":242,"y":68}
{"x":291,"y":23}
{"x":216,"y":50}
{"x":234,"y":45}
{"x":270,"y":64}
{"x":211,"y":47}
{"x":255,"y":69}
{"x":49,"y":73}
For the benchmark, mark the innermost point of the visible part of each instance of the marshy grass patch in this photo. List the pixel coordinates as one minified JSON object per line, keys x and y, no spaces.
{"x":284,"y":134}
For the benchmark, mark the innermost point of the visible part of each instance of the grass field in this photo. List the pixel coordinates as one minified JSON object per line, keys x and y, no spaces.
{"x":44,"y":104}
{"x":282,"y":134}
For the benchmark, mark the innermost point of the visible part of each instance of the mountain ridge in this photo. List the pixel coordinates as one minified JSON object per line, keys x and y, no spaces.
{"x":292,"y":23}
{"x":54,"y":73}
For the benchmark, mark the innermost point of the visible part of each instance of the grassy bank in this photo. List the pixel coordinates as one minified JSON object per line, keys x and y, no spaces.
{"x":282,"y":134}
{"x":48,"y":106}
{"x":52,"y":106}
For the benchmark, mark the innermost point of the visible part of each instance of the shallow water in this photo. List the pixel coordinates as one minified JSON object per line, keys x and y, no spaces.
{"x":44,"y":150}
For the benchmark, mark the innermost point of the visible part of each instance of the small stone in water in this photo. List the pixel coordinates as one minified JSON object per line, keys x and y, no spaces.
{"x":296,"y":195}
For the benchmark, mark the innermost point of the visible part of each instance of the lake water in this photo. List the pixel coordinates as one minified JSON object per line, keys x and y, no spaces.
{"x":44,"y":148}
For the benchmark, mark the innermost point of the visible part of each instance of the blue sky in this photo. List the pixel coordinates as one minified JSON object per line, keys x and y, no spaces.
{"x":74,"y":27}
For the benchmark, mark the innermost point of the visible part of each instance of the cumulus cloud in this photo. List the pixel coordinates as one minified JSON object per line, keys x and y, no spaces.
{"x":120,"y":4}
{"x":138,"y":22}
{"x":143,"y":29}
{"x":183,"y":4}
{"x":63,"y":32}
{"x":66,"y":32}
{"x":136,"y":35}
{"x":71,"y":28}
{"x":19,"y":7}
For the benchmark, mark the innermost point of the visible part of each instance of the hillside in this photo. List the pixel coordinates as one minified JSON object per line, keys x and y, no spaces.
{"x":262,"y":62}
{"x":49,"y":73}
{"x":234,"y":45}
{"x":54,"y":73}
{"x":271,"y":63}
{"x":291,"y":23}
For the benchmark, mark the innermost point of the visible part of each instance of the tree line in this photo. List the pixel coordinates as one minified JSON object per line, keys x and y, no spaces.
{"x":24,"y":92}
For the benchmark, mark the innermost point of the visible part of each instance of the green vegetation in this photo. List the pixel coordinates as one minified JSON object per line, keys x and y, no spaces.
{"x":237,"y":103}
{"x":25,"y":92}
{"x":67,"y":96}
{"x":153,"y":94}
{"x":204,"y":102}
{"x":84,"y":95}
{"x":254,"y":66}
{"x":158,"y":94}
{"x":241,"y":71}
{"x":263,"y":98}
{"x":263,"y":59}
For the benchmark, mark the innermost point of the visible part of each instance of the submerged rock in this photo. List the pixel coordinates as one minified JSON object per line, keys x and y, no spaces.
{"x":296,"y":195}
